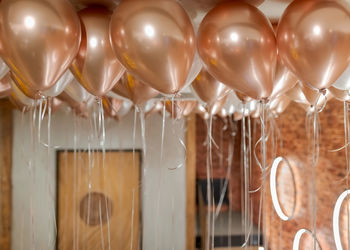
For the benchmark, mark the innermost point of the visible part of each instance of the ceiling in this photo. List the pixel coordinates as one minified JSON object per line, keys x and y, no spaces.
{"x":198,"y":8}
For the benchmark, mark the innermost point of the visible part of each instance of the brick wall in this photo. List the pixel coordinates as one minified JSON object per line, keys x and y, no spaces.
{"x":295,"y":145}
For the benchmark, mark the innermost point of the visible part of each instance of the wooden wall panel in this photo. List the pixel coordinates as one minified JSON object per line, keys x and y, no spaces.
{"x":6,"y":133}
{"x":94,"y":198}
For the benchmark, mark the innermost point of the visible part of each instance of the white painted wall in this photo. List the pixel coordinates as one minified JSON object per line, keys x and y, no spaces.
{"x":34,"y":178}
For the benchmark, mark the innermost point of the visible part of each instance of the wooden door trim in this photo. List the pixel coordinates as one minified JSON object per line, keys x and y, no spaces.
{"x":191,"y":183}
{"x":6,"y":130}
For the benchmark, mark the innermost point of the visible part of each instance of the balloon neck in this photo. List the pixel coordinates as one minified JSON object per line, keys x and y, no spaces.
{"x":264,"y":101}
{"x":176,"y":95}
{"x":323,"y":92}
{"x":38,"y":95}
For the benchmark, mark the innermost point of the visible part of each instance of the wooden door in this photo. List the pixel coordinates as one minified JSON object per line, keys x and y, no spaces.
{"x":96,"y":197}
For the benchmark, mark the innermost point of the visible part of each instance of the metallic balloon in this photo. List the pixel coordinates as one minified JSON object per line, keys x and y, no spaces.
{"x":242,"y":97}
{"x":3,"y":68}
{"x":237,"y":44}
{"x":237,"y":116}
{"x":196,"y":8}
{"x":60,"y":86}
{"x":156,"y":108}
{"x":217,"y":106}
{"x":80,"y":108}
{"x":341,"y":95}
{"x":195,"y":69}
{"x":296,"y":94}
{"x":208,"y":89}
{"x":111,"y":106}
{"x":201,"y":111}
{"x":284,"y":80}
{"x":155,"y":41}
{"x":55,"y":104}
{"x":39,"y":40}
{"x":247,"y":108}
{"x":75,"y":91}
{"x":32,"y":94}
{"x":96,"y":67}
{"x":279,"y":104}
{"x":313,"y":40}
{"x":149,"y":105}
{"x":257,"y":112}
{"x":223,"y":113}
{"x":307,"y":96}
{"x":124,"y":110}
{"x":20,"y":100}
{"x":343,"y":82}
{"x":232,"y":103}
{"x":311,"y":109}
{"x":5,"y":86}
{"x":133,"y":89}
{"x":313,"y":96}
{"x":56,"y":90}
{"x":180,"y":109}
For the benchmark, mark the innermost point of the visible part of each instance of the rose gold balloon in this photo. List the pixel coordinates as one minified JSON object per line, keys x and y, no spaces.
{"x":257,"y":112}
{"x":279,"y":104}
{"x":77,"y":92}
{"x":243,"y":98}
{"x":111,"y":106}
{"x":133,"y":89}
{"x":29,"y":92}
{"x":196,"y":8}
{"x":313,"y":40}
{"x":39,"y":40}
{"x":157,"y":108}
{"x":341,"y":95}
{"x":96,"y":67}
{"x":296,"y":94}
{"x":124,"y":110}
{"x":223,"y":113}
{"x":217,"y":106}
{"x":18,"y":104}
{"x":20,"y":100}
{"x":208,"y":88}
{"x":238,"y":46}
{"x":201,"y":111}
{"x":310,"y":109}
{"x":313,"y":95}
{"x":237,"y":116}
{"x":55,"y":104}
{"x":180,"y":109}
{"x":310,"y":94}
{"x":305,"y":95}
{"x":155,"y":41}
{"x":55,"y":90}
{"x":5,"y":86}
{"x":80,"y":108}
{"x":284,"y":80}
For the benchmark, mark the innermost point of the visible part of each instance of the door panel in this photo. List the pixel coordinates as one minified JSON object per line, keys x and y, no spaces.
{"x":96,"y":196}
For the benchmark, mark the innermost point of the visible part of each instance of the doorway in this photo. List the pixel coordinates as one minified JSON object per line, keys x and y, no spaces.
{"x":98,"y":203}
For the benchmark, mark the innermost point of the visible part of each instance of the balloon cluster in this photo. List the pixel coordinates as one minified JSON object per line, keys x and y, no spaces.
{"x":233,"y":59}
